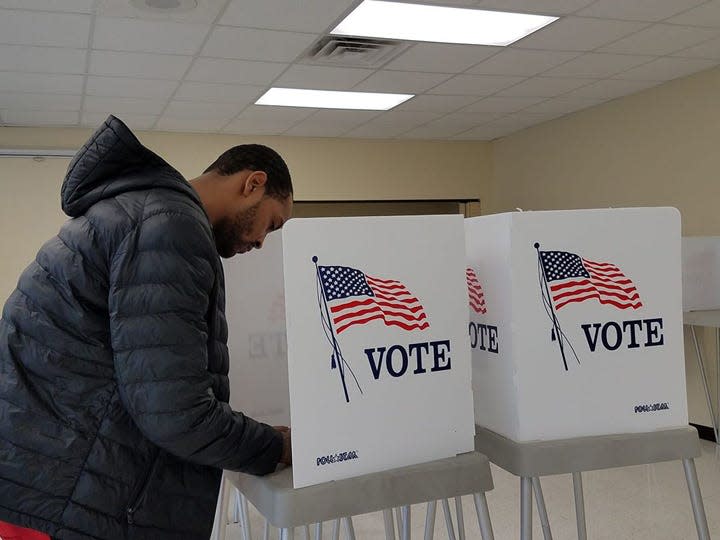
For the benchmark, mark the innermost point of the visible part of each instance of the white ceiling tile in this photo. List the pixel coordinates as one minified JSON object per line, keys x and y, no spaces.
{"x":327,"y":123}
{"x":125,"y":87}
{"x":449,"y":125}
{"x":41,"y":59}
{"x":475,"y":85}
{"x":134,"y":121}
{"x":40,"y":118}
{"x":286,"y":114}
{"x":579,"y":34}
{"x":41,"y":83}
{"x":562,"y":105}
{"x":482,"y":133}
{"x":709,"y":49}
{"x":254,"y":44}
{"x":322,"y":77}
{"x":404,"y":82}
{"x":665,"y":69}
{"x":311,"y":129}
{"x":257,"y":127}
{"x":123,"y":105}
{"x":598,"y":65}
{"x":610,"y":89}
{"x":661,"y":39}
{"x":441,"y":57}
{"x":430,"y":132}
{"x":522,"y":62}
{"x":547,"y":7}
{"x":637,"y":10}
{"x":75,"y":6}
{"x":435,"y":103}
{"x":44,"y":102}
{"x":219,"y":93}
{"x":116,"y":34}
{"x":545,"y":87}
{"x":503,"y":104}
{"x":196,"y":109}
{"x":201,"y":125}
{"x":219,"y":70}
{"x":522,"y":120}
{"x":265,"y":120}
{"x":44,"y":29}
{"x":707,"y":14}
{"x":392,"y":124}
{"x":206,"y":11}
{"x":313,"y":16}
{"x":142,"y":65}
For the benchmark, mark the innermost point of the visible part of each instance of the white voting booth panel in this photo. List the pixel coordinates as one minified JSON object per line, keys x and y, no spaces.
{"x":701,"y":272}
{"x":255,"y":310}
{"x":371,"y":354}
{"x":576,"y":327}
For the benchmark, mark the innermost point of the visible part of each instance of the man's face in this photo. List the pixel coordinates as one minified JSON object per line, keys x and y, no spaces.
{"x":245,"y":228}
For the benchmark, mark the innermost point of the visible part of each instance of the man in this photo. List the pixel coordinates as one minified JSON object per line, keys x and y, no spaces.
{"x":113,"y":357}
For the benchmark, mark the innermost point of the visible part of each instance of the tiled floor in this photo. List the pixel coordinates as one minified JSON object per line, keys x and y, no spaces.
{"x":645,"y":502}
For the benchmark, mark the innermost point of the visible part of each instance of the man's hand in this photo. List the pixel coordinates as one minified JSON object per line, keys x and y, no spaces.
{"x":286,"y":456}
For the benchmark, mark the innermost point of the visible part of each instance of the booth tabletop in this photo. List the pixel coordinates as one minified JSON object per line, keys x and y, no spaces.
{"x":587,"y":453}
{"x":283,"y":506}
{"x":710,"y":317}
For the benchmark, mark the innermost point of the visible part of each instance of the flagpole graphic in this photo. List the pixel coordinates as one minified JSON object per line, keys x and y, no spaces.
{"x":557,"y":332}
{"x":337,"y":359}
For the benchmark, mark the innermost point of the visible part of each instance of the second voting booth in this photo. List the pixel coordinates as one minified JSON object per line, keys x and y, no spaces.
{"x":580,"y":331}
{"x":578,"y":360}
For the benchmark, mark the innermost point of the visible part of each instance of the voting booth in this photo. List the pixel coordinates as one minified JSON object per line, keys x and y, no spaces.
{"x":701,"y":273}
{"x":576,"y":322}
{"x":353,"y":332}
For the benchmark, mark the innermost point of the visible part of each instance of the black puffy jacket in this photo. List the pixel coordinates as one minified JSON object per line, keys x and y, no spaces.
{"x":114,"y":422}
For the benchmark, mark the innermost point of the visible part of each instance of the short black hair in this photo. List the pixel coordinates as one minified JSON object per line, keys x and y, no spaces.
{"x":256,"y":157}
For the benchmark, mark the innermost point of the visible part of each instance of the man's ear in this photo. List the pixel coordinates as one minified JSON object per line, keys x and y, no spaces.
{"x":255,"y":182}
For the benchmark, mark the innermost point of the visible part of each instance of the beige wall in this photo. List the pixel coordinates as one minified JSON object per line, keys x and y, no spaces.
{"x":323,"y":169}
{"x":658,"y":147}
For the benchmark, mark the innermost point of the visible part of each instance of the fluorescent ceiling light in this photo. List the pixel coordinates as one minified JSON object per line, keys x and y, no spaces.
{"x":327,"y":99}
{"x":416,"y":22}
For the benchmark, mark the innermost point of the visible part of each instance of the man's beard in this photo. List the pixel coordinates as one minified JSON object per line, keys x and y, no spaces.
{"x":229,"y":231}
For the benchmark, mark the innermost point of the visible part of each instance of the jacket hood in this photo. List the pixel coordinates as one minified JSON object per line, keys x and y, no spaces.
{"x":111,"y":162}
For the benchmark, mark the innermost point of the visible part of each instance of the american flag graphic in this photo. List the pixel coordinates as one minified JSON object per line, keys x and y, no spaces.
{"x":475,"y":292}
{"x":353,"y":298}
{"x":574,"y":279}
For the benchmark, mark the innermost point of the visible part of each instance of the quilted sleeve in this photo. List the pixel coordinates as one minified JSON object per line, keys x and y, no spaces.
{"x":161,"y":278}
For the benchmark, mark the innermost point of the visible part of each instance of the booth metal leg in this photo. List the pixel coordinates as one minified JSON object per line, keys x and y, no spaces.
{"x":242,"y":504}
{"x":542,"y":510}
{"x":579,"y":506}
{"x":349,"y":529}
{"x":448,"y":520}
{"x":430,"y":520}
{"x":389,"y":524}
{"x":696,"y":499}
{"x":406,"y":523}
{"x":460,"y":518}
{"x":483,"y":515}
{"x":266,"y":531}
{"x":525,"y":508}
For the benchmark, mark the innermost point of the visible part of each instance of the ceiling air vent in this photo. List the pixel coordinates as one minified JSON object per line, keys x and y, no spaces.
{"x":354,"y":51}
